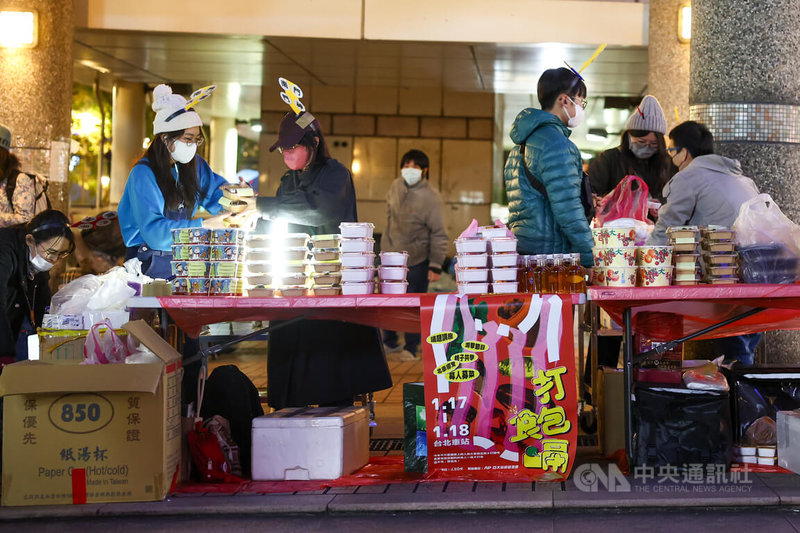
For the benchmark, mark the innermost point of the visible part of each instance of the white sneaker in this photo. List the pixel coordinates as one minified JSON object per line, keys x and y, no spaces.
{"x":405,"y":355}
{"x":390,"y":349}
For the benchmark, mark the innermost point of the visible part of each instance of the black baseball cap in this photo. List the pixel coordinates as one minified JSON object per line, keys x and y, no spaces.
{"x":293,"y":128}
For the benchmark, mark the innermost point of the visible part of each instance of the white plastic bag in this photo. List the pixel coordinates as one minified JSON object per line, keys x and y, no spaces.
{"x":107,"y":347}
{"x":761,"y":221}
{"x":113,"y":294}
{"x":72,"y":298}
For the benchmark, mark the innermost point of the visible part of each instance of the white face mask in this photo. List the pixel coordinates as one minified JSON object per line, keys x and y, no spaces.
{"x":182,"y":152}
{"x":40,"y":264}
{"x":411,"y":175}
{"x":574,"y":121}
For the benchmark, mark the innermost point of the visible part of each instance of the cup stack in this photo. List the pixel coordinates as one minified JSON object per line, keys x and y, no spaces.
{"x":393,"y":272}
{"x":358,"y":258}
{"x":719,"y":255}
{"x":684,"y":241}
{"x":614,"y":254}
{"x":207,"y":262}
{"x":277,"y":264}
{"x":326,"y":277}
{"x":472,"y":262}
{"x":655,"y":266}
{"x":503,"y":259}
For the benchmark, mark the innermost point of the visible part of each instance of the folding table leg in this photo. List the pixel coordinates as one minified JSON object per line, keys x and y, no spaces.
{"x":627,"y":366}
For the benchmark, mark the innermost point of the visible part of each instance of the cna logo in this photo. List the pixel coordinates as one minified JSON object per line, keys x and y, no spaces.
{"x":590,"y":477}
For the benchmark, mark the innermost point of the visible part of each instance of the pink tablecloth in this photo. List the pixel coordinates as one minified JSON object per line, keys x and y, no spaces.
{"x":702,"y":306}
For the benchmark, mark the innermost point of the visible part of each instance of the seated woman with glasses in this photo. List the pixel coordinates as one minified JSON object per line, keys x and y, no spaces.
{"x":168,"y":185}
{"x":27,"y":253}
{"x":642,"y":152}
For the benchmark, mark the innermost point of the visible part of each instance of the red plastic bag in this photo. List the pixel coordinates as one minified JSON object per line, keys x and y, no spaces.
{"x":627,"y":200}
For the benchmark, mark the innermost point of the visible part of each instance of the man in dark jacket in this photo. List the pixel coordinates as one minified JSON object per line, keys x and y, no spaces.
{"x":555,"y":222}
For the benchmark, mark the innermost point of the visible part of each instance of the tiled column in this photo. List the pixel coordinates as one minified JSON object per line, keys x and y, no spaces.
{"x":745,"y":86}
{"x":36,"y":89}
{"x":668,"y":58}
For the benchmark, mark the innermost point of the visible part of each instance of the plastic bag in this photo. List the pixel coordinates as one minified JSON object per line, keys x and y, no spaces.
{"x":113,"y":294}
{"x":72,"y":298}
{"x":769,"y":243}
{"x":762,"y":432}
{"x":627,"y":200}
{"x":106,"y":348}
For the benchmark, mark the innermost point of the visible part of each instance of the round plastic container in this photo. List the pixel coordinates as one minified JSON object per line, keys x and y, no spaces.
{"x":503,"y":245}
{"x":227,"y":236}
{"x":654,"y":256}
{"x":598,"y":275}
{"x":357,"y":245}
{"x":180,"y":286}
{"x":504,"y":274}
{"x":358,"y":288}
{"x":394,"y":258}
{"x":470,"y":245}
{"x":356,"y":230}
{"x":474,"y":260}
{"x":387,"y":273}
{"x":394,"y":287}
{"x":620,"y":276}
{"x":505,"y":287}
{"x":199,"y":286}
{"x":357,"y":275}
{"x":473,"y":288}
{"x":226,"y":287}
{"x":191,"y":252}
{"x":227,"y":252}
{"x":472,"y":275}
{"x":191,"y":236}
{"x":614,"y":237}
{"x":350,"y":260}
{"x":226,"y":269}
{"x":620,"y":256}
{"x":504,"y":260}
{"x":655,"y":276}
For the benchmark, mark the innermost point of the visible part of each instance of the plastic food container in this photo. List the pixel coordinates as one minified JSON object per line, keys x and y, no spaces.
{"x":503,"y":245}
{"x":686,"y":258}
{"x":258,"y":256}
{"x":326,"y":254}
{"x":716,"y":271}
{"x":614,"y":237}
{"x":503,"y":260}
{"x":261,"y":291}
{"x":357,"y":275}
{"x":295,"y":267}
{"x":295,"y":253}
{"x":326,"y":290}
{"x":293,"y":291}
{"x":719,"y":247}
{"x":226,"y":269}
{"x":186,"y":269}
{"x":686,"y":267}
{"x":357,"y":245}
{"x":654,"y":256}
{"x":199,"y":286}
{"x":473,"y":245}
{"x":260,"y":279}
{"x":258,"y":241}
{"x":766,"y":451}
{"x":695,"y":281}
{"x":293,"y":279}
{"x":620,"y":276}
{"x":717,"y":233}
{"x":191,"y":252}
{"x":504,"y":274}
{"x":226,"y":287}
{"x":744,"y":450}
{"x":492,"y":232}
{"x":356,"y":230}
{"x":326,"y":266}
{"x":227,"y":236}
{"x":227,"y":252}
{"x":191,"y":236}
{"x":295,"y":240}
{"x":472,"y":275}
{"x":358,"y":288}
{"x":766,"y":460}
{"x":599,"y":276}
{"x":683,"y":232}
{"x":655,"y":276}
{"x":329,"y":240}
{"x":473,"y":288}
{"x":394,"y":287}
{"x":725,"y":280}
{"x":474,"y":260}
{"x":720,"y":259}
{"x":387,"y":273}
{"x":504,"y":287}
{"x":180,"y":286}
{"x":394,"y":258}
{"x":326,"y":278}
{"x":683,"y":247}
{"x":351,"y":260}
{"x":618,"y":257}
{"x":685,"y":275}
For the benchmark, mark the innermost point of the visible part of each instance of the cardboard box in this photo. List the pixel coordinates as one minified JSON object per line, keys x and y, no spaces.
{"x":92,"y":433}
{"x":610,"y":410}
{"x":64,"y":346}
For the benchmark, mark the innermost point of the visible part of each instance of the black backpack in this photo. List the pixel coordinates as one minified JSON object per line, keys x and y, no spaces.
{"x":586,"y":188}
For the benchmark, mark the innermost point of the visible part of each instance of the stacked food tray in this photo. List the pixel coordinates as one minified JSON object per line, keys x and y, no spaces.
{"x":357,"y":258}
{"x":393,"y":272}
{"x":207,"y":261}
{"x":326,"y":266}
{"x":684,"y":241}
{"x":277,"y":264}
{"x":719,"y":255}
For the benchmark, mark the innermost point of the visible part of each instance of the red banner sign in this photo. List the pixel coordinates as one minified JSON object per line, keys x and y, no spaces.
{"x":500,"y":386}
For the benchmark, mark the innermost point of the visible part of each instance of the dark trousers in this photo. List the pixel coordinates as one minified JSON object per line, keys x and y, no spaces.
{"x":417,"y":282}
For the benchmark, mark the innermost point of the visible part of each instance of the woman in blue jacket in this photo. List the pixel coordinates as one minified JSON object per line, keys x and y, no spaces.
{"x":167,"y":186}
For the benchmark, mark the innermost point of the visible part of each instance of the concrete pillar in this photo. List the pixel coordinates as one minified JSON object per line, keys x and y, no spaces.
{"x":36,"y":92}
{"x":745,"y":86}
{"x":127,"y":133}
{"x":223,"y":147}
{"x":668,"y":74}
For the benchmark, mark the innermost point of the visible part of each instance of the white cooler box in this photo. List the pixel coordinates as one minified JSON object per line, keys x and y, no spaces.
{"x":788,"y":423}
{"x":310,"y":443}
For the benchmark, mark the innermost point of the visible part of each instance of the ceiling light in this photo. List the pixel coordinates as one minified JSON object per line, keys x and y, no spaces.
{"x":685,"y":22}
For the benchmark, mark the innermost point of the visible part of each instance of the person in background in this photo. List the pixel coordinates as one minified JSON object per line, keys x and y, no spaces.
{"x":708,"y":190}
{"x":555,"y":222}
{"x":317,"y":362}
{"x":167,"y":186}
{"x":27,"y":253}
{"x":642,"y":152}
{"x":17,"y":189}
{"x":414,"y":224}
{"x":98,"y":244}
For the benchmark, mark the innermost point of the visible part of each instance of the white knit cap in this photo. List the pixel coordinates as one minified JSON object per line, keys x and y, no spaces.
{"x":165,"y":104}
{"x":648,"y":116}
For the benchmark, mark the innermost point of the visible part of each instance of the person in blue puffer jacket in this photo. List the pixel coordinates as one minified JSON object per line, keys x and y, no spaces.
{"x":555,"y":223}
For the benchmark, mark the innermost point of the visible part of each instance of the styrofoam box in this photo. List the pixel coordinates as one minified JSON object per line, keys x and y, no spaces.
{"x":357,"y":245}
{"x":470,"y":275}
{"x":504,"y":260}
{"x":356,"y":275}
{"x":503,"y":245}
{"x":788,"y":425}
{"x":301,"y":443}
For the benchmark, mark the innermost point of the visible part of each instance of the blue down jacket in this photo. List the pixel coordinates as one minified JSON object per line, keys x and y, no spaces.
{"x":556,"y":224}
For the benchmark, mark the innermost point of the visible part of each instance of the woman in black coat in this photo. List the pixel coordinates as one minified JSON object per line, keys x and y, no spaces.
{"x":27,"y":253}
{"x":321,"y":362}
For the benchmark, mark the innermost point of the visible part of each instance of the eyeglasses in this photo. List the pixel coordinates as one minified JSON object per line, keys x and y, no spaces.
{"x":192,"y":140}
{"x":583,"y":103}
{"x":281,"y":150}
{"x":638,"y":140}
{"x":55,"y":255}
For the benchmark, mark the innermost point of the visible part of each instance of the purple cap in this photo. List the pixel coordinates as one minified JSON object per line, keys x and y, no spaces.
{"x":292,"y":129}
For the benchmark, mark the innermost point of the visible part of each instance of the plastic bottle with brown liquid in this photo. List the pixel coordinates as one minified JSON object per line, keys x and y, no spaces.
{"x":560,"y":273}
{"x":576,"y":281}
{"x":522,"y":273}
{"x":550,"y":275}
